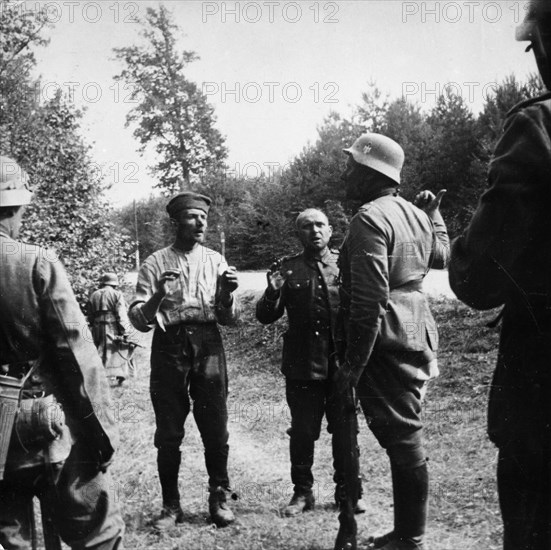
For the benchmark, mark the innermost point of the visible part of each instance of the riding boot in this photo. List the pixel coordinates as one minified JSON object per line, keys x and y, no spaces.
{"x":346,"y":537}
{"x":168,"y":464}
{"x":410,"y":488}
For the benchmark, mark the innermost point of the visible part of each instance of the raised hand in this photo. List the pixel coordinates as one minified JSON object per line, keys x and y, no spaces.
{"x":276,"y":279}
{"x":228,"y":281}
{"x":428,"y":202}
{"x":167,"y":280}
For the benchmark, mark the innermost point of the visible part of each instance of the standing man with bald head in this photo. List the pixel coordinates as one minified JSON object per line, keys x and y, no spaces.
{"x":306,"y":286}
{"x":183,"y":291}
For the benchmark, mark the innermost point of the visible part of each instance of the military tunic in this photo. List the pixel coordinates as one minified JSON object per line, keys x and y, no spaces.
{"x":504,"y":259}
{"x":310,"y":296}
{"x":390,"y":332}
{"x":41,"y":319}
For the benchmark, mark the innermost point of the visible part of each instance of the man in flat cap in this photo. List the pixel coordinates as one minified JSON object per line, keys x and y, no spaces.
{"x":391,"y":336}
{"x":183,"y":291}
{"x":64,"y":434}
{"x":504,"y":259}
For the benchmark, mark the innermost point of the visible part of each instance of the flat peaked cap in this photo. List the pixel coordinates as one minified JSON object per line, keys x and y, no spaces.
{"x":186,"y":200}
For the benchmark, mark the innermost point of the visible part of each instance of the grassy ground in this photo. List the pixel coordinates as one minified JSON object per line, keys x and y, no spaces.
{"x":463,"y":510}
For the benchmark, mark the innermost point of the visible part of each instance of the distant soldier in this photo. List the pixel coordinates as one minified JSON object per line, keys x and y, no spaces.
{"x":504,"y":259}
{"x":306,"y":286}
{"x":183,"y":291}
{"x":391,"y":336}
{"x":64,"y":434}
{"x":110,"y":327}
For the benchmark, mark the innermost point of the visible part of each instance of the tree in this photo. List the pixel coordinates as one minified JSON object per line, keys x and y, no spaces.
{"x":68,"y":211}
{"x":497,"y":104}
{"x":172,"y":113}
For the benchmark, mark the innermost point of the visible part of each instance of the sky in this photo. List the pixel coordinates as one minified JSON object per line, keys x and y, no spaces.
{"x":274,"y":69}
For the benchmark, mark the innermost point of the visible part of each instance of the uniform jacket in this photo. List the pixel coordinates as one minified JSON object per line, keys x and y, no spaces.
{"x":108,"y":320}
{"x":196,"y":296}
{"x":390,"y":246}
{"x":504,"y":258}
{"x":310,"y":297}
{"x":42,"y":319}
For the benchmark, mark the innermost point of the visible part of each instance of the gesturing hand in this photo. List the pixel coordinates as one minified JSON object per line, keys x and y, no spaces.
{"x":228,"y":281}
{"x":167,"y":280}
{"x":276,"y":279}
{"x":428,"y":202}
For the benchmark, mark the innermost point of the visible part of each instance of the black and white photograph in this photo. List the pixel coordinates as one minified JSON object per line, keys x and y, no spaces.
{"x":275,"y":275}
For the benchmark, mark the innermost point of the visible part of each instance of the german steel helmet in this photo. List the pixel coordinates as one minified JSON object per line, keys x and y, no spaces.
{"x":380,"y":153}
{"x":13,"y":184}
{"x":537,"y":9}
{"x":109,"y":279}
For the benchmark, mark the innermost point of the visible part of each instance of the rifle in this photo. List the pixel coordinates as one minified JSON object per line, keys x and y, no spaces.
{"x":346,"y":435}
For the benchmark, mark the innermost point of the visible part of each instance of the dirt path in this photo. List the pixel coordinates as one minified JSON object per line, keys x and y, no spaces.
{"x":259,"y":472}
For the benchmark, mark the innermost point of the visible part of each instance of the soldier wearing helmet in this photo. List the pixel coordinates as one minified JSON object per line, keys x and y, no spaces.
{"x":58,"y":448}
{"x":391,"y":336}
{"x":504,"y":259}
{"x":110,"y":327}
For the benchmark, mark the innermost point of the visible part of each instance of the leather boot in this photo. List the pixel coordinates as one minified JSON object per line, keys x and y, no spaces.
{"x":299,"y":503}
{"x":219,"y":510}
{"x":169,"y":517}
{"x":346,"y":537}
{"x":168,"y":464}
{"x":410,"y":490}
{"x":361,"y":506}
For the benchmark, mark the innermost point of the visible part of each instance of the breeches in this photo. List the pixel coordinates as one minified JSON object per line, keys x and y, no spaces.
{"x":188,"y":364}
{"x":81,"y":503}
{"x":391,"y":398}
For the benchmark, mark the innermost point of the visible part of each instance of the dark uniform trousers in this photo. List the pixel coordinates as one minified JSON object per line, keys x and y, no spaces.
{"x":308,"y":401}
{"x":188,"y":361}
{"x":520,"y":425}
{"x":310,"y":297}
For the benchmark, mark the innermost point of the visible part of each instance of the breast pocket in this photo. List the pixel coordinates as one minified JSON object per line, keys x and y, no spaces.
{"x":297,"y":293}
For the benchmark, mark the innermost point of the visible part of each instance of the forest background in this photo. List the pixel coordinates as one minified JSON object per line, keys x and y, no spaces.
{"x":447,"y":146}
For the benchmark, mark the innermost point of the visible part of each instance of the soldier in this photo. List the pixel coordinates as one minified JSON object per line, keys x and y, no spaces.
{"x":110,"y":325}
{"x":306,"y":286}
{"x":504,"y":259}
{"x":391,"y":337}
{"x":183,"y":291}
{"x":60,"y":447}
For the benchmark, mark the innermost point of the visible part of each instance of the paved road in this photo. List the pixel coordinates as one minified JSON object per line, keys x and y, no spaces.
{"x":436,"y":282}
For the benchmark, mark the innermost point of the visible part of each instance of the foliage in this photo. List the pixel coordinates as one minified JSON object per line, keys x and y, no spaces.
{"x":446,"y":147}
{"x":172,"y":113}
{"x":68,"y":212}
{"x":504,"y":96}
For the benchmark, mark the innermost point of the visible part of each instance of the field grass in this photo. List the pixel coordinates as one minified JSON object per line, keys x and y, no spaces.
{"x":463,"y":509}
